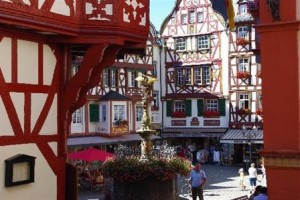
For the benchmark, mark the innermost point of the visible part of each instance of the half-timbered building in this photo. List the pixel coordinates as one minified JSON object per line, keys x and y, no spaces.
{"x":114,"y":110}
{"x":39,"y":41}
{"x":245,"y":86}
{"x":195,"y":72}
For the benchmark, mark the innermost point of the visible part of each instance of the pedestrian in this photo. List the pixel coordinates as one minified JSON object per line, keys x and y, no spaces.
{"x":252,"y":176}
{"x":198,"y":180}
{"x":242,"y":177}
{"x":256,"y":192}
{"x":262,"y":194}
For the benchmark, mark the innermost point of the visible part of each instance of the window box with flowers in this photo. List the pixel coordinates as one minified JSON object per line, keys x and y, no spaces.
{"x":242,"y":41}
{"x":120,"y":123}
{"x":211,"y":113}
{"x":243,"y":111}
{"x":243,"y":75}
{"x":178,"y":114}
{"x":259,"y":112}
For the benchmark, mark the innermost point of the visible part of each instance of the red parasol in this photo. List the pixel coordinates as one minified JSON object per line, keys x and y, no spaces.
{"x":90,"y":154}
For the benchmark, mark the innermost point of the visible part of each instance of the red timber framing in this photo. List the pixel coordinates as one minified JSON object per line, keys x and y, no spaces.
{"x":101,"y":34}
{"x":244,"y":72}
{"x":280,"y":58}
{"x":178,"y":25}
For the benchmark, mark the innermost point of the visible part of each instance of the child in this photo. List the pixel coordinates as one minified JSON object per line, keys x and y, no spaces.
{"x":242,"y":176}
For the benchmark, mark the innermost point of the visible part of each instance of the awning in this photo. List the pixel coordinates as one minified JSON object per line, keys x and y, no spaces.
{"x":235,"y":136}
{"x":193,"y":132}
{"x":100,"y":140}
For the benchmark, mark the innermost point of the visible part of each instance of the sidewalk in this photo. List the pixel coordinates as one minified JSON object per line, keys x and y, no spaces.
{"x":223,"y":184}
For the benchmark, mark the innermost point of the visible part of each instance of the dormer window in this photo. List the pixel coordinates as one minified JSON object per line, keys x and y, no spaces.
{"x":243,"y":9}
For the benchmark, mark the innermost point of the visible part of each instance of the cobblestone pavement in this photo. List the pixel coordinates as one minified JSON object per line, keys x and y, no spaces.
{"x":223,"y":184}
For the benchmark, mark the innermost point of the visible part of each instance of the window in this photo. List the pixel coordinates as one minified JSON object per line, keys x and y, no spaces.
{"x":243,"y":10}
{"x":244,"y":102}
{"x":119,"y":112}
{"x":180,"y":44}
{"x":180,"y":77}
{"x":154,"y":68}
{"x":103,"y":113}
{"x":76,"y":62}
{"x":243,"y":32}
{"x":110,"y":77}
{"x":243,"y":65}
{"x":113,"y":82}
{"x":192,"y":17}
{"x":131,"y":78}
{"x":179,"y":106}
{"x":188,"y":76}
{"x":212,"y":104}
{"x":183,"y":19}
{"x":77,"y":116}
{"x":139,"y":113}
{"x":203,"y":42}
{"x":200,"y":17}
{"x":184,"y":76}
{"x":156,"y":99}
{"x":202,"y":75}
{"x":105,"y":78}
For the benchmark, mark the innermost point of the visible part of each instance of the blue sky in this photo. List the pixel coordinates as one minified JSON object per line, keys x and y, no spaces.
{"x":159,"y":10}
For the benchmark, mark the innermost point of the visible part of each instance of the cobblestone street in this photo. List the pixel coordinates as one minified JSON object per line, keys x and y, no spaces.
{"x":223,"y":184}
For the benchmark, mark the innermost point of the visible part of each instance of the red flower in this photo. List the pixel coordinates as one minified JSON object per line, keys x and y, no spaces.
{"x":211,"y":113}
{"x":242,"y":41}
{"x":179,"y":114}
{"x":243,"y":75}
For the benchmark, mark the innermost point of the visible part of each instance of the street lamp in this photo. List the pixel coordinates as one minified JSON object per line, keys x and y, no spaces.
{"x":249,"y":135}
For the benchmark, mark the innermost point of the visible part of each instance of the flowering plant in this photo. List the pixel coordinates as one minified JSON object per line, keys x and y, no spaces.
{"x":211,"y":113}
{"x":242,"y":41}
{"x":179,"y":114}
{"x":244,"y":111}
{"x":243,"y":74}
{"x":134,"y":170}
{"x":259,"y":112}
{"x":120,"y":123}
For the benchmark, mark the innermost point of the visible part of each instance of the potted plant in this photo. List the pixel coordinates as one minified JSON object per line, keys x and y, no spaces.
{"x":243,"y":75}
{"x":211,"y":113}
{"x":242,"y":41}
{"x":179,"y":114}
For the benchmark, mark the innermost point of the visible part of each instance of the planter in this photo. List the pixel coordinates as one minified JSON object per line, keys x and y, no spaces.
{"x":178,"y":115}
{"x":211,"y":114}
{"x":243,"y":75}
{"x":242,"y":41}
{"x":149,"y":189}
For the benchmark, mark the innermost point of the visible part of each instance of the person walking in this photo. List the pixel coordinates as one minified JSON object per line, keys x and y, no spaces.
{"x":242,"y":176}
{"x":198,"y":180}
{"x":252,"y":176}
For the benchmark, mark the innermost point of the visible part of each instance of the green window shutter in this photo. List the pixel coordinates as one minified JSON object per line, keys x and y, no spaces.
{"x":188,"y":108}
{"x":200,"y":106}
{"x":169,"y":108}
{"x":222,"y":107}
{"x":94,"y":113}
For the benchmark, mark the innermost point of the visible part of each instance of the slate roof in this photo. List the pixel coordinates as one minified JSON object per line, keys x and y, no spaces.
{"x":114,"y":96}
{"x":220,"y":7}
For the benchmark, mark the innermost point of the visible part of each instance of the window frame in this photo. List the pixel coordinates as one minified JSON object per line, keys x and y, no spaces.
{"x":243,"y":32}
{"x":139,"y":113}
{"x":244,"y":101}
{"x":244,"y":66}
{"x":77,"y":116}
{"x":203,"y":42}
{"x":199,"y":17}
{"x":181,"y":44}
{"x":192,"y":16}
{"x":202,"y":75}
{"x":212,"y":104}
{"x":179,"y":106}
{"x":119,"y":112}
{"x":184,"y":19}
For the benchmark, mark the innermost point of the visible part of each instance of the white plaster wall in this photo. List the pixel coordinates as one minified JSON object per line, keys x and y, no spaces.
{"x":27,"y":62}
{"x":44,"y":186}
{"x":49,"y":63}
{"x":5,"y":129}
{"x":60,"y":7}
{"x":5,"y":58}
